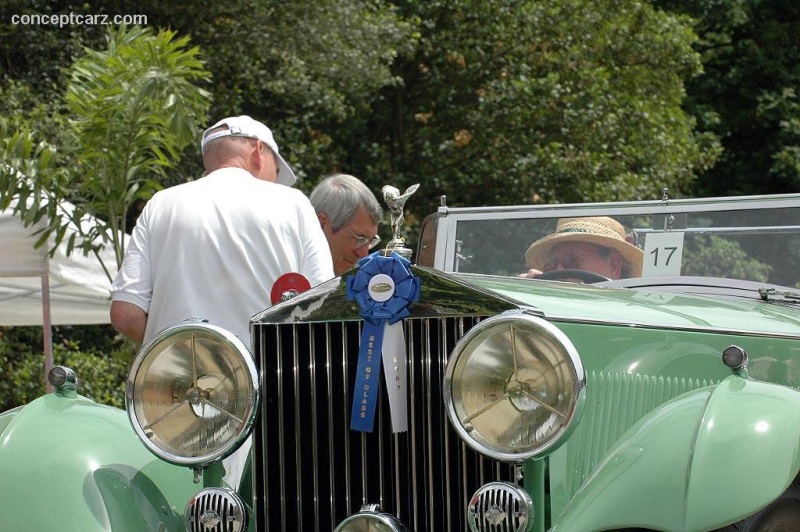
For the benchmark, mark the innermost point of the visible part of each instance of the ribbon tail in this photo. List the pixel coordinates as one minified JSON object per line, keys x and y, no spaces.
{"x":367,"y":377}
{"x":394,"y":370}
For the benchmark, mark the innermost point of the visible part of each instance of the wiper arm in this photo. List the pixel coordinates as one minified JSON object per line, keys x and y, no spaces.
{"x":773,"y":294}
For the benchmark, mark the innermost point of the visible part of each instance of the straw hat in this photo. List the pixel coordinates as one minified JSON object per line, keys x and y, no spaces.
{"x":600,"y":230}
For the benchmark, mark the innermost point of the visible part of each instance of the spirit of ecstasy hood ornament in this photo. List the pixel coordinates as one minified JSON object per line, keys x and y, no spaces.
{"x":396,"y":202}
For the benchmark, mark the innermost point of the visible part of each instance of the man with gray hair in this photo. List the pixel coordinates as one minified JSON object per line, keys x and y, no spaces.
{"x":349,"y":214}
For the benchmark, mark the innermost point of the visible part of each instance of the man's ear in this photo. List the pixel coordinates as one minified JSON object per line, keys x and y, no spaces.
{"x":323,"y":219}
{"x":255,"y":158}
{"x":617,"y":262}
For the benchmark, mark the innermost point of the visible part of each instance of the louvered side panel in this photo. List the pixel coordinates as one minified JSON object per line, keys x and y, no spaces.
{"x":615,"y":402}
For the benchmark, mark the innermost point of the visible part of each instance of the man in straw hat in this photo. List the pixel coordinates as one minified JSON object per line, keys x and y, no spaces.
{"x":593,"y":244}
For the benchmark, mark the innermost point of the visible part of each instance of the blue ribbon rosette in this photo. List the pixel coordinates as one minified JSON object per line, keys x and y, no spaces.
{"x":383,"y":287}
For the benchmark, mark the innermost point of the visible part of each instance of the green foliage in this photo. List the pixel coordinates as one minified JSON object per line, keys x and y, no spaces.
{"x":713,"y":256}
{"x":25,"y":165}
{"x":309,"y":70}
{"x":490,"y":102}
{"x":127,"y":113}
{"x":134,"y":107}
{"x":36,"y":54}
{"x":326,"y":58}
{"x":101,"y":366}
{"x":24,"y":106}
{"x":131,"y":109}
{"x":748,"y":95}
{"x":534,"y":101}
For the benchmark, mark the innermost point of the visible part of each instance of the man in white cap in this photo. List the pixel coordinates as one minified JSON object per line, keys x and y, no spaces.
{"x":594,"y":244}
{"x":212,"y":248}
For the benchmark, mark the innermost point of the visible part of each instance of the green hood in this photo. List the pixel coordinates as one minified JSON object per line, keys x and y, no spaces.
{"x":647,"y":308}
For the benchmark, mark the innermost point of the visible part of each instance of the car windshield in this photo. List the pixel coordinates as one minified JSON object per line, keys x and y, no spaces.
{"x":747,"y":238}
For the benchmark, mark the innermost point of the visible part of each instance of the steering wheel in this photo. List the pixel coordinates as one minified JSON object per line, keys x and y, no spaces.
{"x":581,"y":275}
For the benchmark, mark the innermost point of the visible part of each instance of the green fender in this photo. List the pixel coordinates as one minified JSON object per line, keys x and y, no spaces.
{"x":704,"y":460}
{"x":69,"y":464}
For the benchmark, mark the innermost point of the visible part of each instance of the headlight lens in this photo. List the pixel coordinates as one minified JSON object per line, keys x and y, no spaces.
{"x":192,"y":393}
{"x":514,"y":387}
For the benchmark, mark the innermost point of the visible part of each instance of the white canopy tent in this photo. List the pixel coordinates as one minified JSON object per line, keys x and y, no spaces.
{"x":36,"y":289}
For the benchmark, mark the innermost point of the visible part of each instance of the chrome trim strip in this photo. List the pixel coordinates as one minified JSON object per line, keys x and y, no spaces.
{"x":364,"y":466}
{"x":381,"y":453}
{"x":412,"y":378}
{"x":685,"y":328}
{"x":331,"y":436}
{"x":446,"y":348}
{"x":312,"y":369}
{"x":281,"y":438}
{"x":426,"y":371}
{"x":297,"y":454}
{"x":729,"y":203}
{"x":409,"y":333}
{"x":348,"y":481}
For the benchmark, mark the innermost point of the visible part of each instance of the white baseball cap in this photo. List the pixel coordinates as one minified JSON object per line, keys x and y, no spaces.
{"x":244,"y":126}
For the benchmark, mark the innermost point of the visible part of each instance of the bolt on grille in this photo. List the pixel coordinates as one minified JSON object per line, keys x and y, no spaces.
{"x":312,"y":471}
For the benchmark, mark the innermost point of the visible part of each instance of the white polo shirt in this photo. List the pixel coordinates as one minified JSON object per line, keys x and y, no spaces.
{"x":213,"y":248}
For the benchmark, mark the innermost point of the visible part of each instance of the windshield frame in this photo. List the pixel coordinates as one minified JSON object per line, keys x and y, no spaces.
{"x":447,"y":253}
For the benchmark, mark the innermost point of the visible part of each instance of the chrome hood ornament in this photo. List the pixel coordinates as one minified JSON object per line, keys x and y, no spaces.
{"x":396,"y":202}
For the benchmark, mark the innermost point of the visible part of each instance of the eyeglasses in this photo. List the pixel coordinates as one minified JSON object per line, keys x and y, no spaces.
{"x":360,"y":240}
{"x":574,"y":261}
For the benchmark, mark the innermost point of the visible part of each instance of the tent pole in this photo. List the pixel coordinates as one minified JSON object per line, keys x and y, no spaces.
{"x":47,"y":331}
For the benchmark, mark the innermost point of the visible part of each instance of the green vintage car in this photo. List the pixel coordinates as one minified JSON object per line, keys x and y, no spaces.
{"x":453,"y":394}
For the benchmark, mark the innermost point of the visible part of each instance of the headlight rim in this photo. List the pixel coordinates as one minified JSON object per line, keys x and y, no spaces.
{"x":579,"y":394}
{"x":254,"y":394}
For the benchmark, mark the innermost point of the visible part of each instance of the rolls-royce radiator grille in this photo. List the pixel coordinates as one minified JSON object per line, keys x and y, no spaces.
{"x":312,"y":471}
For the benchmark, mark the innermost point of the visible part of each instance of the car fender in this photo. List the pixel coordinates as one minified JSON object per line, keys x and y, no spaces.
{"x":70,"y":464}
{"x":707,"y":458}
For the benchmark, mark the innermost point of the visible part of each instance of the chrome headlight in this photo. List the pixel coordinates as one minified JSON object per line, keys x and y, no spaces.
{"x":514,"y":387}
{"x":192,"y":393}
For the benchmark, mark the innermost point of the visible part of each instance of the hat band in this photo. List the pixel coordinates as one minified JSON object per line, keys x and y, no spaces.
{"x":579,"y":230}
{"x":232,"y":132}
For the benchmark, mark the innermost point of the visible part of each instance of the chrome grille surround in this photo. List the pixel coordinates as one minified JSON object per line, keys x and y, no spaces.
{"x":312,"y":471}
{"x":217,"y":510}
{"x":500,"y":507}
